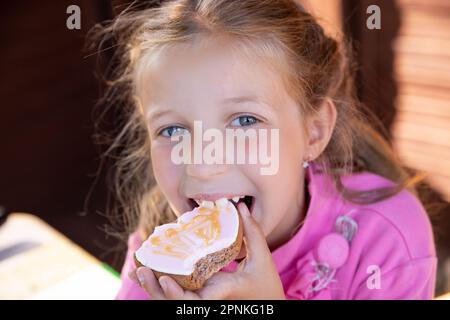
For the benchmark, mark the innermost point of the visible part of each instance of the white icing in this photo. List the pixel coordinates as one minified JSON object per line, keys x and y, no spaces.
{"x":196,"y":248}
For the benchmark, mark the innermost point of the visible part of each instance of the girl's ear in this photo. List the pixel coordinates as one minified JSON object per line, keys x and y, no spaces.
{"x":320,"y":125}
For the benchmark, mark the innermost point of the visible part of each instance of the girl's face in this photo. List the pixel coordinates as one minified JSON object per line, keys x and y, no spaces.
{"x":225,"y":90}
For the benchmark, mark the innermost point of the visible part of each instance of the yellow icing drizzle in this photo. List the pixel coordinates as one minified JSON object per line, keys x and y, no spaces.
{"x":155,"y":240}
{"x":206,"y":226}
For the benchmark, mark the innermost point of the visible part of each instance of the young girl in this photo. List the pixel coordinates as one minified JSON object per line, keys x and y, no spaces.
{"x":338,"y":220}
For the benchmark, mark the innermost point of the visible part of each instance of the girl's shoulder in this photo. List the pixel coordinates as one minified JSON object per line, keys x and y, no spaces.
{"x":400,"y":220}
{"x":395,"y":239}
{"x":389,"y":240}
{"x":401,"y":215}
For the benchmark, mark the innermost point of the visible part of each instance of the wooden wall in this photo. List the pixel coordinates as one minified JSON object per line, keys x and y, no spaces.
{"x":422,"y":125}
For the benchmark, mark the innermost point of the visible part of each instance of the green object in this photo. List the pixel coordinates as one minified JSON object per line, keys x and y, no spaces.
{"x":110,"y":269}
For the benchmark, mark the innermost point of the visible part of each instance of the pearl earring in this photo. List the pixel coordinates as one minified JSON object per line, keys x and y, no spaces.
{"x":306,"y":162}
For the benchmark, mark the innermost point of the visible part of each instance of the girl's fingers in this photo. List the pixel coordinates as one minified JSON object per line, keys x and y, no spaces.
{"x":255,"y":241}
{"x":132,"y":276}
{"x":171,"y":288}
{"x":149,"y":283}
{"x":161,"y":289}
{"x":218,"y":287}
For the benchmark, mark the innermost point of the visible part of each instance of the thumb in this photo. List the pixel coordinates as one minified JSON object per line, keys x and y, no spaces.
{"x":171,"y":289}
{"x":255,"y":241}
{"x":174,"y":291}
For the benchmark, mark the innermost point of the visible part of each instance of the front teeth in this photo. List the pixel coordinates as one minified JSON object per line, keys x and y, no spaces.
{"x":236,"y":199}
{"x":207,"y":204}
{"x":220,"y":203}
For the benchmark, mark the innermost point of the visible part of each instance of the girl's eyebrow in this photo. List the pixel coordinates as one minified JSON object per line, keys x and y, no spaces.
{"x":243,"y":99}
{"x":152,"y":115}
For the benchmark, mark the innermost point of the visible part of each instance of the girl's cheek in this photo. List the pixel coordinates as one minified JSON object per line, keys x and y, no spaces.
{"x":166,"y":172}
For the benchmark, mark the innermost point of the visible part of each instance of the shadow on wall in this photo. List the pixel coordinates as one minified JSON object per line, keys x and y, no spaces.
{"x":48,"y":91}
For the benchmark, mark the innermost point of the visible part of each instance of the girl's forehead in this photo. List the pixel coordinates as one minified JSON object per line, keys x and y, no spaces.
{"x":216,"y":69}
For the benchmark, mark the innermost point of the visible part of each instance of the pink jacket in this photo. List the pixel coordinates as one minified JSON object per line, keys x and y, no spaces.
{"x":383,"y":250}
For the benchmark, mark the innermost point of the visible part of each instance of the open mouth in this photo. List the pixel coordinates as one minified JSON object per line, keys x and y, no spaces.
{"x":249,"y":201}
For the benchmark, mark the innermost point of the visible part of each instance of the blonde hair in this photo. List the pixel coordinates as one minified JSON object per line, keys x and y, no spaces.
{"x":320,"y":67}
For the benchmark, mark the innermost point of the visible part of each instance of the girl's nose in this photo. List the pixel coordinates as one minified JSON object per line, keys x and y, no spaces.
{"x":205,"y":171}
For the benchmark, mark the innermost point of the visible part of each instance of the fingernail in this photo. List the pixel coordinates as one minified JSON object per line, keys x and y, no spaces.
{"x":244,"y":210}
{"x":141,"y":276}
{"x":163,"y":284}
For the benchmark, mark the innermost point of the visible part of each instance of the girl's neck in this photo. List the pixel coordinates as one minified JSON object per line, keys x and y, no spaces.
{"x":295,"y":223}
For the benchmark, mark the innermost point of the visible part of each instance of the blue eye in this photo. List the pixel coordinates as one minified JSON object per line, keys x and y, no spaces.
{"x":173,"y":130}
{"x":243,"y":121}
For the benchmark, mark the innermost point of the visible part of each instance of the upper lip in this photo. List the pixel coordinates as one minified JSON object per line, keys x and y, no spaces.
{"x":214,"y":196}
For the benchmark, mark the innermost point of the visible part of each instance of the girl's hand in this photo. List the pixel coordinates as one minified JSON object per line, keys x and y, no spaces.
{"x":255,"y":278}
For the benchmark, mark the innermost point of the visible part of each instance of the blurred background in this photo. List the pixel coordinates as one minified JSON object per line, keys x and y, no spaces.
{"x":49,"y":164}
